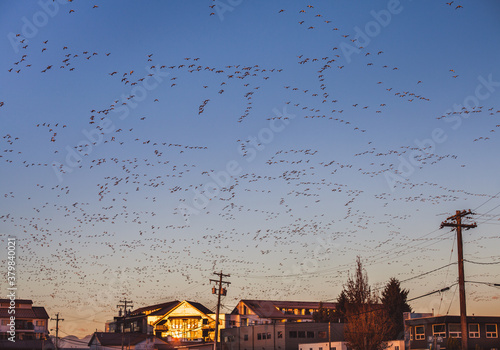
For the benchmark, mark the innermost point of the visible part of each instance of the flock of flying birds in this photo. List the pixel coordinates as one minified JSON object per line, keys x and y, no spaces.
{"x":123,"y":227}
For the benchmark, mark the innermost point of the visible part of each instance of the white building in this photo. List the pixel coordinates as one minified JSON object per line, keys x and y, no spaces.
{"x":342,"y":345}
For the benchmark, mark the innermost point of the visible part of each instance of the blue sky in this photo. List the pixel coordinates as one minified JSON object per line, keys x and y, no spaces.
{"x":337,"y":95}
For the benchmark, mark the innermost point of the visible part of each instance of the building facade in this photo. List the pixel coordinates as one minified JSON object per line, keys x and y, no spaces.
{"x":342,"y":345}
{"x":280,"y":335}
{"x":28,"y":328}
{"x":184,"y":321}
{"x":132,"y":341}
{"x":433,"y":331}
{"x":253,"y":312}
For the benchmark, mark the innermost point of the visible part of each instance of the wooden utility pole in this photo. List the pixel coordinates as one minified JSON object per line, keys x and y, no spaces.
{"x":219,"y":291}
{"x":57,"y":319}
{"x":457,"y":224}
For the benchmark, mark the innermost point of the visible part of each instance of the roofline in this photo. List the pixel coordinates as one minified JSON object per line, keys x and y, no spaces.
{"x":445,"y":318}
{"x":176,"y":306}
{"x":17,"y":301}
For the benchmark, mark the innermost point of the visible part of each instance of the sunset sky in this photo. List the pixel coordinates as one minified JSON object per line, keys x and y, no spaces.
{"x":145,"y":145}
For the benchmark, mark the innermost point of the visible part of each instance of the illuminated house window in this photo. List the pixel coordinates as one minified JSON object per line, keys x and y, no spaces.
{"x":439,"y":330}
{"x":474,"y":330}
{"x":491,"y":331}
{"x":185,"y":328}
{"x":419,"y":333}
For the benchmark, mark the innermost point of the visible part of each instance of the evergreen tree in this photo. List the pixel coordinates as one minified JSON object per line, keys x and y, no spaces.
{"x":395,"y":302}
{"x":366,"y":321}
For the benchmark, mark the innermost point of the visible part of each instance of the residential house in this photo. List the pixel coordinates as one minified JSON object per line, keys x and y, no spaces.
{"x":30,"y":328}
{"x":185,"y":321}
{"x":139,"y":320}
{"x":128,"y":341}
{"x":424,"y":332}
{"x":252,"y":312}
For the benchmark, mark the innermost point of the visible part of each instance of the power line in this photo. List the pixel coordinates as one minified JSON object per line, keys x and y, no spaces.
{"x":486,"y":283}
{"x":436,"y":291}
{"x":495,"y":196}
{"x":447,"y":271}
{"x":451,"y":301}
{"x":428,"y":272}
{"x":482,"y":263}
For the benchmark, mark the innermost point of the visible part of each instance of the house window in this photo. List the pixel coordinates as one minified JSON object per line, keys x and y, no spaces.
{"x":40,"y":323}
{"x":5,"y":322}
{"x":396,"y":348}
{"x":474,"y":330}
{"x":280,"y":334}
{"x":439,"y":330}
{"x":322,"y":334}
{"x":268,"y":335}
{"x":320,"y":348}
{"x":333,"y":348}
{"x":455,"y":330}
{"x":259,"y":336}
{"x":293,"y":334}
{"x":245,"y":337}
{"x":491,"y":331}
{"x":411,"y":333}
{"x":310,"y":334}
{"x":301,"y":334}
{"x":419,"y":333}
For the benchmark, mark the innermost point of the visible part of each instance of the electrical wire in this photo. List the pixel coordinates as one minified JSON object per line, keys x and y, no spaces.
{"x":482,"y":263}
{"x":451,"y":301}
{"x":448,"y":270}
{"x":436,"y":291}
{"x":495,"y":196}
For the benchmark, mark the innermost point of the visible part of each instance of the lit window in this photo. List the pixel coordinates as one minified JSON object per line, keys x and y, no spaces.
{"x":411,"y":333}
{"x":419,"y":333}
{"x":439,"y":330}
{"x":491,"y":331}
{"x":455,"y":330}
{"x":474,"y":330}
{"x":322,"y":334}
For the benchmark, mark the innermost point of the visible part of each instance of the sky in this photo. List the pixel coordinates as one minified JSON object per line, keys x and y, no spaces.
{"x":147,"y":145}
